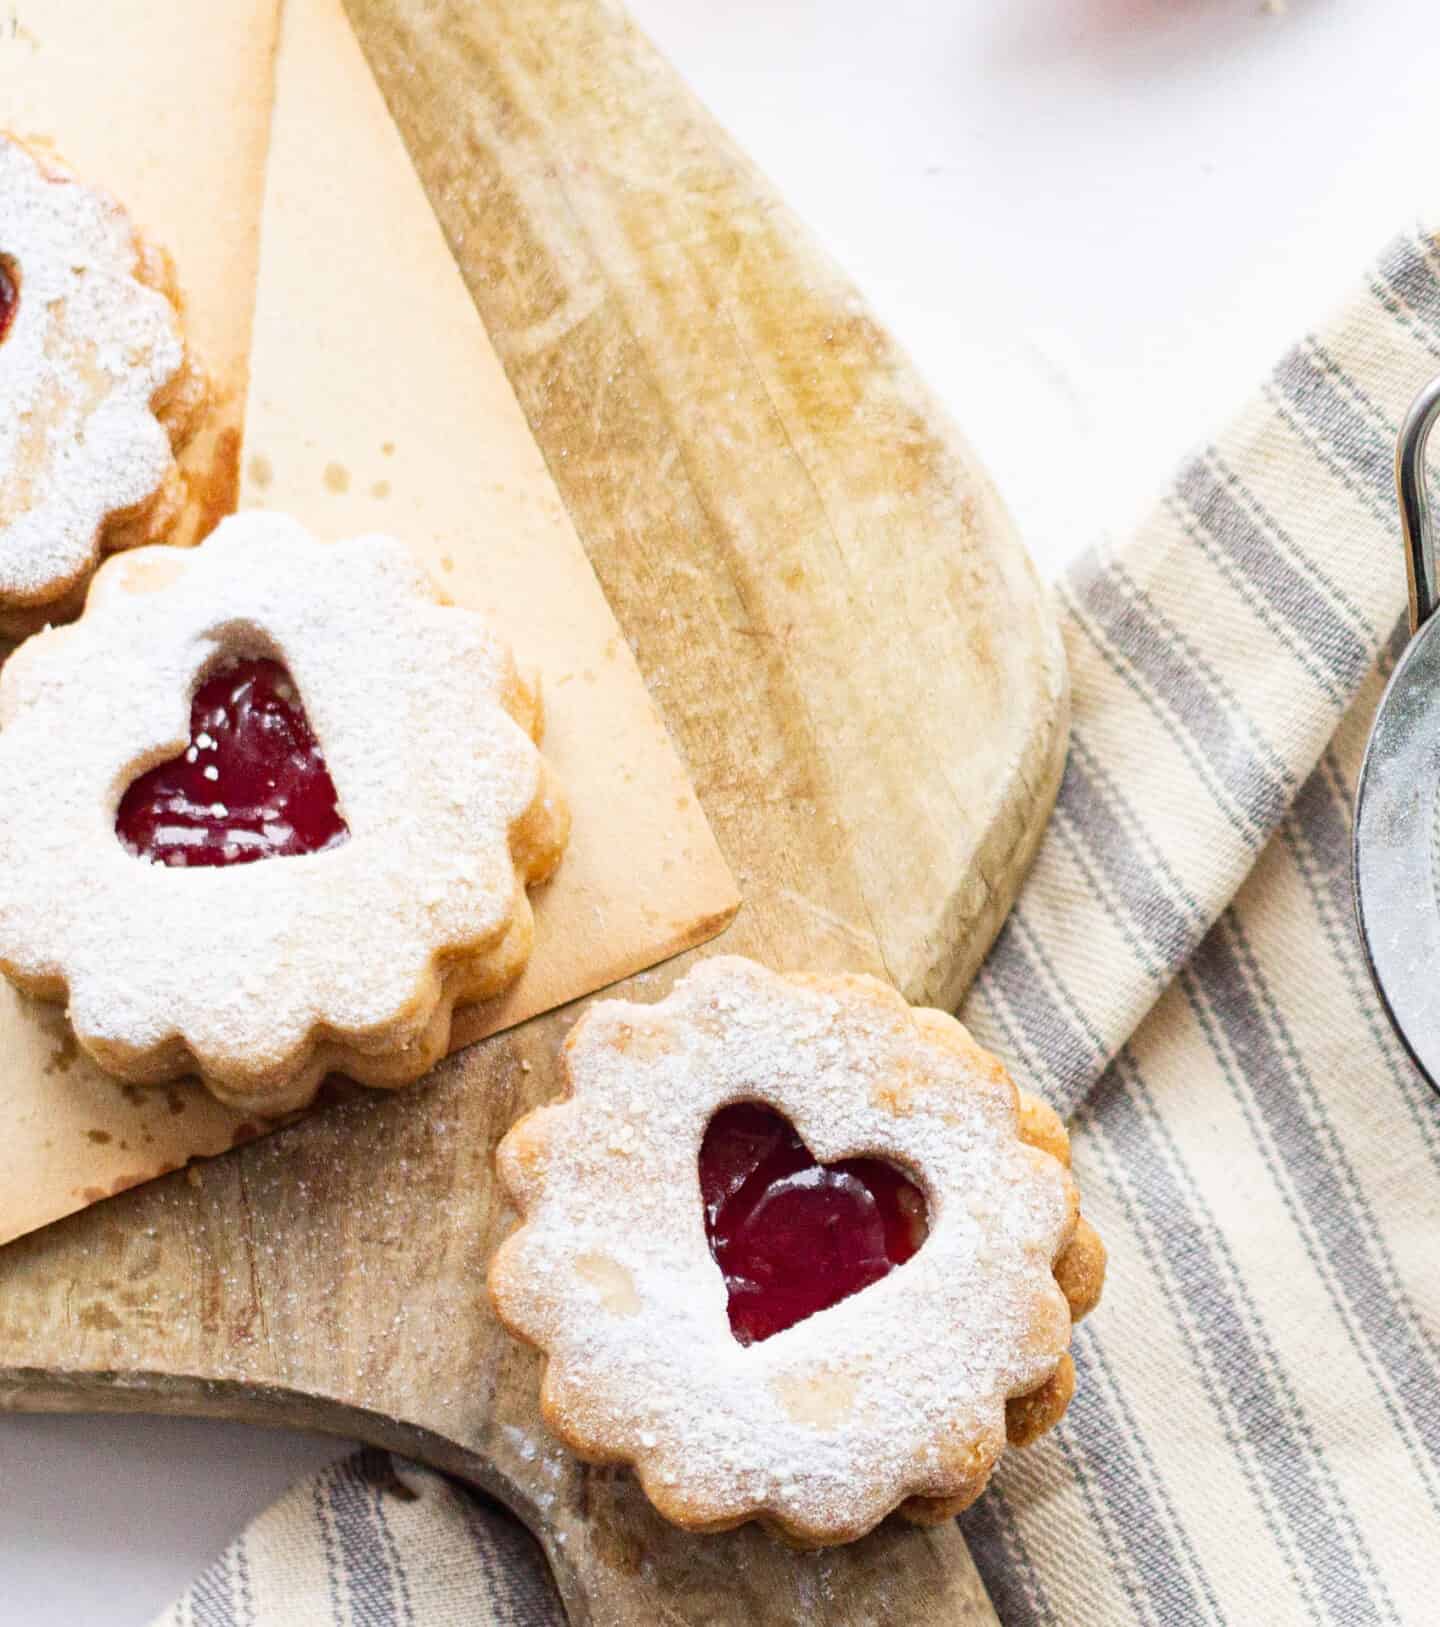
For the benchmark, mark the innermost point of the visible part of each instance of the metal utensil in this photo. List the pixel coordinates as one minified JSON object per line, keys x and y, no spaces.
{"x":1397,"y":805}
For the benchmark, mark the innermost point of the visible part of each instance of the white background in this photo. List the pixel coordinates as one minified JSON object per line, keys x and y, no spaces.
{"x":1094,"y":223}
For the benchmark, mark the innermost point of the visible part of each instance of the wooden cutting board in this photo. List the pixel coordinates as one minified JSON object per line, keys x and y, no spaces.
{"x":856,"y":661}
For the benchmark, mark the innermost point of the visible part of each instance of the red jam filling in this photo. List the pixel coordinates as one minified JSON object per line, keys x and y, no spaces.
{"x":252,"y":783}
{"x":792,"y":1236}
{"x":9,"y":293}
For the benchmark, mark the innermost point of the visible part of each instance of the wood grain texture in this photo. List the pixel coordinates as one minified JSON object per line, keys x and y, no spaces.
{"x":748,"y":457}
{"x":862,"y":673}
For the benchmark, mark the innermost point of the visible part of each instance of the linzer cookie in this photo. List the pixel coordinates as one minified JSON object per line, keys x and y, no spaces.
{"x":795,"y":1252}
{"x":268,"y":809}
{"x":98,"y":386}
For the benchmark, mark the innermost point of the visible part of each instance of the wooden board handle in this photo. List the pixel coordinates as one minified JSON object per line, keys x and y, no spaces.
{"x":614,"y":1561}
{"x":622,"y":1567}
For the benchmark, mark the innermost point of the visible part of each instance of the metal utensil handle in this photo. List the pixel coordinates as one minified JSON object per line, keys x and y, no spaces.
{"x":1410,"y":488}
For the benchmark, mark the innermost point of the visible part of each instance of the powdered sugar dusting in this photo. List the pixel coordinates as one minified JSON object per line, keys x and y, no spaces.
{"x":451,"y":810}
{"x":90,"y":347}
{"x":897,"y":1391}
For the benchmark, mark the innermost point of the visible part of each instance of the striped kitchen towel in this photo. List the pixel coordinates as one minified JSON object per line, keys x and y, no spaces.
{"x":1255,"y":1436}
{"x":375,"y":1542}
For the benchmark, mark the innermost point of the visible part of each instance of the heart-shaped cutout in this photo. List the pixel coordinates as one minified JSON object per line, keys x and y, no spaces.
{"x":792,"y":1236}
{"x":252,"y":783}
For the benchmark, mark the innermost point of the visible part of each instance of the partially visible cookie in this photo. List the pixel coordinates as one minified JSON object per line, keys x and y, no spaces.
{"x":794,"y":1252}
{"x":99,"y":387}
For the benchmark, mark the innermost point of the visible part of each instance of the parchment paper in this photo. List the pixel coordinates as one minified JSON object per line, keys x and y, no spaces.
{"x":375,"y":402}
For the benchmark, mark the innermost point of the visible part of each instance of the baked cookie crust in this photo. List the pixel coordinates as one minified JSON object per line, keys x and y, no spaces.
{"x":263,"y":977}
{"x":100,"y":385}
{"x":901,"y":1396}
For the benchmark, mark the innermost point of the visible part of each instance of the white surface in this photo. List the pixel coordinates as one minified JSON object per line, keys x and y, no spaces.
{"x":106,"y":1520}
{"x":1094,"y":223}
